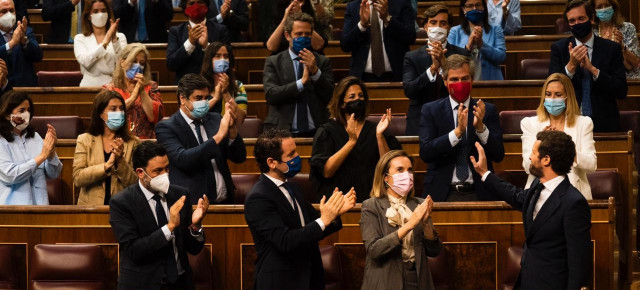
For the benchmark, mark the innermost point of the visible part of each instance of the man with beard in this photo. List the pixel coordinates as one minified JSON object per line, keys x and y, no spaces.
{"x":556,"y":217}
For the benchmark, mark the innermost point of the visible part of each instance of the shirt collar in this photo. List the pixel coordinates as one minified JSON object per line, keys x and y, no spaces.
{"x":589,"y":42}
{"x":278,"y":182}
{"x":454,"y":103}
{"x":148,"y":194}
{"x":192,"y":24}
{"x":184,"y":115}
{"x":553,"y":183}
{"x":292,"y":54}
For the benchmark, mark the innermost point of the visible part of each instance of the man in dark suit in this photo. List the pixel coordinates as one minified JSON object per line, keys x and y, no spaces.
{"x":19,"y":48}
{"x":154,"y":227}
{"x":298,"y":83}
{"x":594,"y":65}
{"x":199,"y":143}
{"x":143,"y":20}
{"x":60,"y":13}
{"x":421,"y":70}
{"x":188,"y":41}
{"x":378,"y":34}
{"x":557,"y":219}
{"x":233,"y":14}
{"x":285,"y":227}
{"x":448,"y":129}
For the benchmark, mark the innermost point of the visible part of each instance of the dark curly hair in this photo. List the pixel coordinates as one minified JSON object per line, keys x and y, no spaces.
{"x":559,"y":147}
{"x":146,"y":151}
{"x":269,"y":144}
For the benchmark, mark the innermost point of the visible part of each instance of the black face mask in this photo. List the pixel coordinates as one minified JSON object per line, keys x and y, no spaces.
{"x":357,"y":107}
{"x":581,"y":30}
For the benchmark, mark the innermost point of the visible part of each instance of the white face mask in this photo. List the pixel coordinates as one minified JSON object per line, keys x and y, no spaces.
{"x":7,"y":20}
{"x":24,"y":116}
{"x":159,"y":183}
{"x":437,"y":34}
{"x":99,"y":19}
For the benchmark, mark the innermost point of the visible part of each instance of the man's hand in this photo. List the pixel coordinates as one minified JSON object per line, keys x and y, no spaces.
{"x":305,"y":75}
{"x":382,"y":6}
{"x":195,"y":33}
{"x":224,"y":10}
{"x":349,"y":201}
{"x":478,"y":115}
{"x":203,"y":40}
{"x":201,"y":211}
{"x":586,"y":64}
{"x":134,"y":3}
{"x":437,"y":51}
{"x":330,"y":209}
{"x":576,"y":56}
{"x":16,"y":38}
{"x":365,"y":13}
{"x":223,"y":130}
{"x":174,"y":214}
{"x":462,"y":122}
{"x":309,"y":60}
{"x":481,"y":165}
{"x":75,"y":2}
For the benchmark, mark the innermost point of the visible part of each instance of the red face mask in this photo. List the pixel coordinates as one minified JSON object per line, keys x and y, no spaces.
{"x":196,"y":11}
{"x":460,"y":91}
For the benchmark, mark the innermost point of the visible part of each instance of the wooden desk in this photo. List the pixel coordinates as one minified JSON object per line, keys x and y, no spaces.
{"x":476,"y":237}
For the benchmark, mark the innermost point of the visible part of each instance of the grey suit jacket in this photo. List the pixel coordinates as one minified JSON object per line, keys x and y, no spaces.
{"x":281,"y":91}
{"x":383,"y":265}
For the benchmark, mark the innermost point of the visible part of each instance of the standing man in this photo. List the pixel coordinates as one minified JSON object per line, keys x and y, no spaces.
{"x":154,"y":226}
{"x":143,"y":20}
{"x":556,"y":217}
{"x":64,"y":16}
{"x":18,"y":47}
{"x":448,"y":129}
{"x":378,"y":34}
{"x":421,"y":75}
{"x":285,"y":227}
{"x":234,"y":14}
{"x":594,"y":65}
{"x":199,"y":143}
{"x":298,"y":83}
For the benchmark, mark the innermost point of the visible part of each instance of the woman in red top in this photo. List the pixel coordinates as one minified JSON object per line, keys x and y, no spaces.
{"x":132,"y":79}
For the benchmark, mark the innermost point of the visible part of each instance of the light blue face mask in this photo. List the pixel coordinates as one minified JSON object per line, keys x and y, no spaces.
{"x":220,"y":66}
{"x":133,"y":70}
{"x":115,"y":120}
{"x":554,"y":106}
{"x":605,"y":14}
{"x":200,"y":109}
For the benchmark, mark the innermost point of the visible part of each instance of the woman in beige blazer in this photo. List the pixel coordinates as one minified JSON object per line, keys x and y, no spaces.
{"x":397,"y":229}
{"x":558,"y":110}
{"x":102,"y":161}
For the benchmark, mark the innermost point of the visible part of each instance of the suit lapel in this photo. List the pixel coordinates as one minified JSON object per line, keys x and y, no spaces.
{"x":549,"y":207}
{"x":147,"y":218}
{"x":279,"y":197}
{"x":185,"y":129}
{"x":287,"y":67}
{"x":208,"y":125}
{"x":595,"y":56}
{"x":448,"y":114}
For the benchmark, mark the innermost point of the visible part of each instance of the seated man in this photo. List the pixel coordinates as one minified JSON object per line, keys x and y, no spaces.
{"x":154,"y":226}
{"x":18,"y":47}
{"x":143,"y":20}
{"x":298,"y":83}
{"x":188,"y":41}
{"x":285,"y":227}
{"x":199,"y":143}
{"x":233,"y":14}
{"x":448,"y":129}
{"x":421,"y":71}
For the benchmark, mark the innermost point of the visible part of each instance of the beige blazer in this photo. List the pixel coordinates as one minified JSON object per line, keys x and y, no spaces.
{"x":89,"y":173}
{"x":383,"y":264}
{"x":581,"y":134}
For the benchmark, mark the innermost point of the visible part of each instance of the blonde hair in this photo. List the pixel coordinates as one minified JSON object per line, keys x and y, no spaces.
{"x":379,"y":188}
{"x":572,"y":110}
{"x":128,"y":54}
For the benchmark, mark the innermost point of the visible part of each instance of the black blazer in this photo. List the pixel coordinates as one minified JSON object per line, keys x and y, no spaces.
{"x":190,"y":162}
{"x":178,"y":60}
{"x":143,"y":246}
{"x":236,"y":22}
{"x":59,"y":13}
{"x":417,"y":86}
{"x":20,"y":61}
{"x":558,"y":242}
{"x":610,"y":86}
{"x":436,"y":121}
{"x":398,"y":36}
{"x":157,"y":14}
{"x":281,"y":91}
{"x":288,"y":254}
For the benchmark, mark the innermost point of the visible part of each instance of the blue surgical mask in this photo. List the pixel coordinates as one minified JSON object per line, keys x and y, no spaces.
{"x":115,"y":120}
{"x":605,"y":14}
{"x":300,"y":43}
{"x":133,"y":70}
{"x":555,"y":106}
{"x":200,"y":109}
{"x":220,"y":66}
{"x":295,"y":166}
{"x":475,"y":16}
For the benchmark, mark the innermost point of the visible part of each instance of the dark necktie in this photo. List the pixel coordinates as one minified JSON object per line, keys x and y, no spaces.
{"x":301,"y":102}
{"x":142,"y":25}
{"x":170,"y":267}
{"x":377,"y":56}
{"x":289,"y":188}
{"x":462,"y":158}
{"x":585,"y":104}
{"x":534,"y":200}
{"x":198,"y":133}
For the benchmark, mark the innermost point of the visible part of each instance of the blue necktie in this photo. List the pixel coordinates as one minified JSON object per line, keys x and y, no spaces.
{"x":142,"y":25}
{"x":462,"y":165}
{"x":220,"y":6}
{"x":171,"y":267}
{"x":301,"y":103}
{"x":585,"y":105}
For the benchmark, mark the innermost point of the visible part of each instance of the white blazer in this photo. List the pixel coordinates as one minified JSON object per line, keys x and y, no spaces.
{"x":581,"y":134}
{"x":96,"y":62}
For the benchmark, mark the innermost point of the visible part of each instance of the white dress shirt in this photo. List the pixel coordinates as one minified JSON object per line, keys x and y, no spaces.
{"x":280,"y":184}
{"x":96,"y":63}
{"x":549,"y":187}
{"x":221,"y":188}
{"x":454,"y":140}
{"x":387,"y":64}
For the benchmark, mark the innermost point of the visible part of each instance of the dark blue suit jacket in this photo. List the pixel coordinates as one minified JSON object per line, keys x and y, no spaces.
{"x":190,"y":162}
{"x":558,"y":251}
{"x":20,"y":61}
{"x":59,"y":13}
{"x":610,"y":86}
{"x":436,"y":121}
{"x":288,"y":254}
{"x":178,"y":60}
{"x":157,"y":14}
{"x":143,"y":245}
{"x":236,"y":22}
{"x":398,"y":36}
